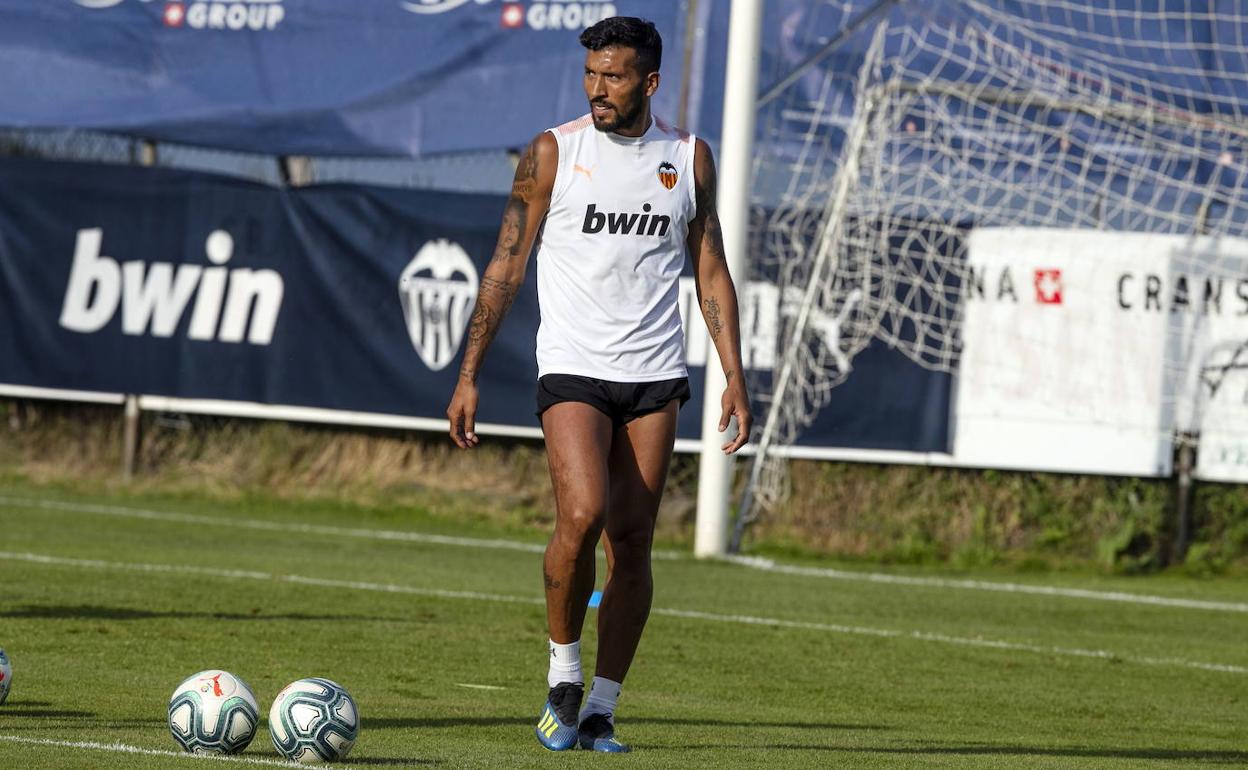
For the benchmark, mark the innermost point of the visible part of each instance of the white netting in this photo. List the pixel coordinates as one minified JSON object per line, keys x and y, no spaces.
{"x":989,"y":114}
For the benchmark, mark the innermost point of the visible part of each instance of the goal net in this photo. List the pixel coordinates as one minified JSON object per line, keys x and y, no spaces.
{"x":942,"y":145}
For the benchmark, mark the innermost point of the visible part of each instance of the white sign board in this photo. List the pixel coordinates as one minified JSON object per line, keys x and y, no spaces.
{"x":1088,"y":351}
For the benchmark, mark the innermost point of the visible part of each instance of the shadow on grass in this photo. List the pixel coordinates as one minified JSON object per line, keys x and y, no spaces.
{"x":384,"y":723}
{"x":1170,"y":755}
{"x":92,"y":612}
{"x":727,"y":723}
{"x":268,"y":754}
{"x":383,"y":761}
{"x":25,"y":711}
{"x":41,"y":713}
{"x":399,"y":723}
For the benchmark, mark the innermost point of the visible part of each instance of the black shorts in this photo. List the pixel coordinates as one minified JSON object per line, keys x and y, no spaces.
{"x":621,"y":401}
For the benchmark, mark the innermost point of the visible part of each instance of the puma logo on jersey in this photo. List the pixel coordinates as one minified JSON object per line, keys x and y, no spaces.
{"x":588,"y":172}
{"x":625,"y":223}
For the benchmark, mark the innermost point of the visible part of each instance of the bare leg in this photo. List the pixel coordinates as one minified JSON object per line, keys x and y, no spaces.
{"x":641,"y":453}
{"x":578,"y":443}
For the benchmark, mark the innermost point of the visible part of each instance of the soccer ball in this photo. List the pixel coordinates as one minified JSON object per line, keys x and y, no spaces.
{"x":213,"y":712}
{"x":314,"y":720}
{"x":6,"y":675}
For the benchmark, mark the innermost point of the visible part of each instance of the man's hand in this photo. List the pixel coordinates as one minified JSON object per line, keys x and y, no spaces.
{"x":463,"y":414}
{"x":736,"y":402}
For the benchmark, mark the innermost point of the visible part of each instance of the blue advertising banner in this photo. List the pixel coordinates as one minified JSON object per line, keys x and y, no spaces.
{"x":169,"y":283}
{"x":338,"y":297}
{"x":421,"y":77}
{"x":312,"y":77}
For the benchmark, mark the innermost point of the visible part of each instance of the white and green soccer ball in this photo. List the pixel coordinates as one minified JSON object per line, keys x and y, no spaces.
{"x":6,"y":676}
{"x":314,"y":720}
{"x":213,"y":712}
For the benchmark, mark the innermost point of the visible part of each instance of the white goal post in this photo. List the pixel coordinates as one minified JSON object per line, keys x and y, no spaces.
{"x":1100,"y":137}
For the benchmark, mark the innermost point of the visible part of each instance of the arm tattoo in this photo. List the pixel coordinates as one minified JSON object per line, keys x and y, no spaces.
{"x":496,"y":296}
{"x":713,"y":322}
{"x":482,"y":327}
{"x":492,"y":304}
{"x":511,"y":237}
{"x":506,"y":291}
{"x":525,"y":183}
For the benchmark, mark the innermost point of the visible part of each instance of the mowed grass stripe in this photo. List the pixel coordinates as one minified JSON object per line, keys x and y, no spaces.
{"x":764,"y":565}
{"x":749,"y":620}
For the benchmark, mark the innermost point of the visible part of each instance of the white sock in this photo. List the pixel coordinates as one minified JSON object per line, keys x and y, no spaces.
{"x":603,"y":695}
{"x":565,"y":663}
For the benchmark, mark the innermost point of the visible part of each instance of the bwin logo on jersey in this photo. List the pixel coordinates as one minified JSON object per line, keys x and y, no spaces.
{"x":625,"y":223}
{"x":437,"y":290}
{"x":154,"y":297}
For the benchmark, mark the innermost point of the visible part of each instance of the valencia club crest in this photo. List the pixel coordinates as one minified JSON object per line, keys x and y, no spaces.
{"x":668,"y":175}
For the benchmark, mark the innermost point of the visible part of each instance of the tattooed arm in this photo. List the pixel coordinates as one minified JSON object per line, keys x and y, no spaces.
{"x":717,"y":296}
{"x":522,"y":216}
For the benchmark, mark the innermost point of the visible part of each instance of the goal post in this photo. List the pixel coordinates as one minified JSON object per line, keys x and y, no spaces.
{"x":984,"y":134}
{"x":735,"y":160}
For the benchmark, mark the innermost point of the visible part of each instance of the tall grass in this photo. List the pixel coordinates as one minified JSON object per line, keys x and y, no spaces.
{"x":896,"y":514}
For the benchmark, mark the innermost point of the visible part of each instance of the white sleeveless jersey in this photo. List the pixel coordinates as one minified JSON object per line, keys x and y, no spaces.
{"x":611,"y":253}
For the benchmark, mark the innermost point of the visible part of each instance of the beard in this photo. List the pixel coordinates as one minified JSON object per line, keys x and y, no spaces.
{"x":619,"y":116}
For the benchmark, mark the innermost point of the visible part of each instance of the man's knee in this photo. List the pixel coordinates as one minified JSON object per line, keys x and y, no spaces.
{"x":631,"y":547}
{"x":579,"y":527}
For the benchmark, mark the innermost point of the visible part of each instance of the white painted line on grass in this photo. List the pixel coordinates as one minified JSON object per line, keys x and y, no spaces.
{"x":767,"y":565}
{"x":965,"y":641}
{"x":122,"y":748}
{"x":752,"y":562}
{"x":435,"y":593}
{"x":281,"y":526}
{"x":390,"y":588}
{"x":479,"y":686}
{"x":922,"y":636}
{"x":184,"y":569}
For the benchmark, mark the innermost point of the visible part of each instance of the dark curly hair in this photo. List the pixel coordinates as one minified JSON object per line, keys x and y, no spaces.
{"x":628,"y":32}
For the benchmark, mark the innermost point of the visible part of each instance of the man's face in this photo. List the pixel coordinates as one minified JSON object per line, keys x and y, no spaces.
{"x":616,"y":89}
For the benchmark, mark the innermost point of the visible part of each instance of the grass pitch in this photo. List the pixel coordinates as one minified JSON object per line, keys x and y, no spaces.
{"x":438,"y":631}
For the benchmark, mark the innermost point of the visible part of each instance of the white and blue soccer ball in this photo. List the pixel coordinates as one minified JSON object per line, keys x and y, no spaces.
{"x":6,"y":676}
{"x":213,"y":712}
{"x":314,"y":720}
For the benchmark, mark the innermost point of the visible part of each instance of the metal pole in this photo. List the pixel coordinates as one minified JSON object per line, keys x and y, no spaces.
{"x":1186,"y":486}
{"x":147,"y":152}
{"x":686,"y":74}
{"x":296,"y":170}
{"x":130,"y":438}
{"x":735,"y":162}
